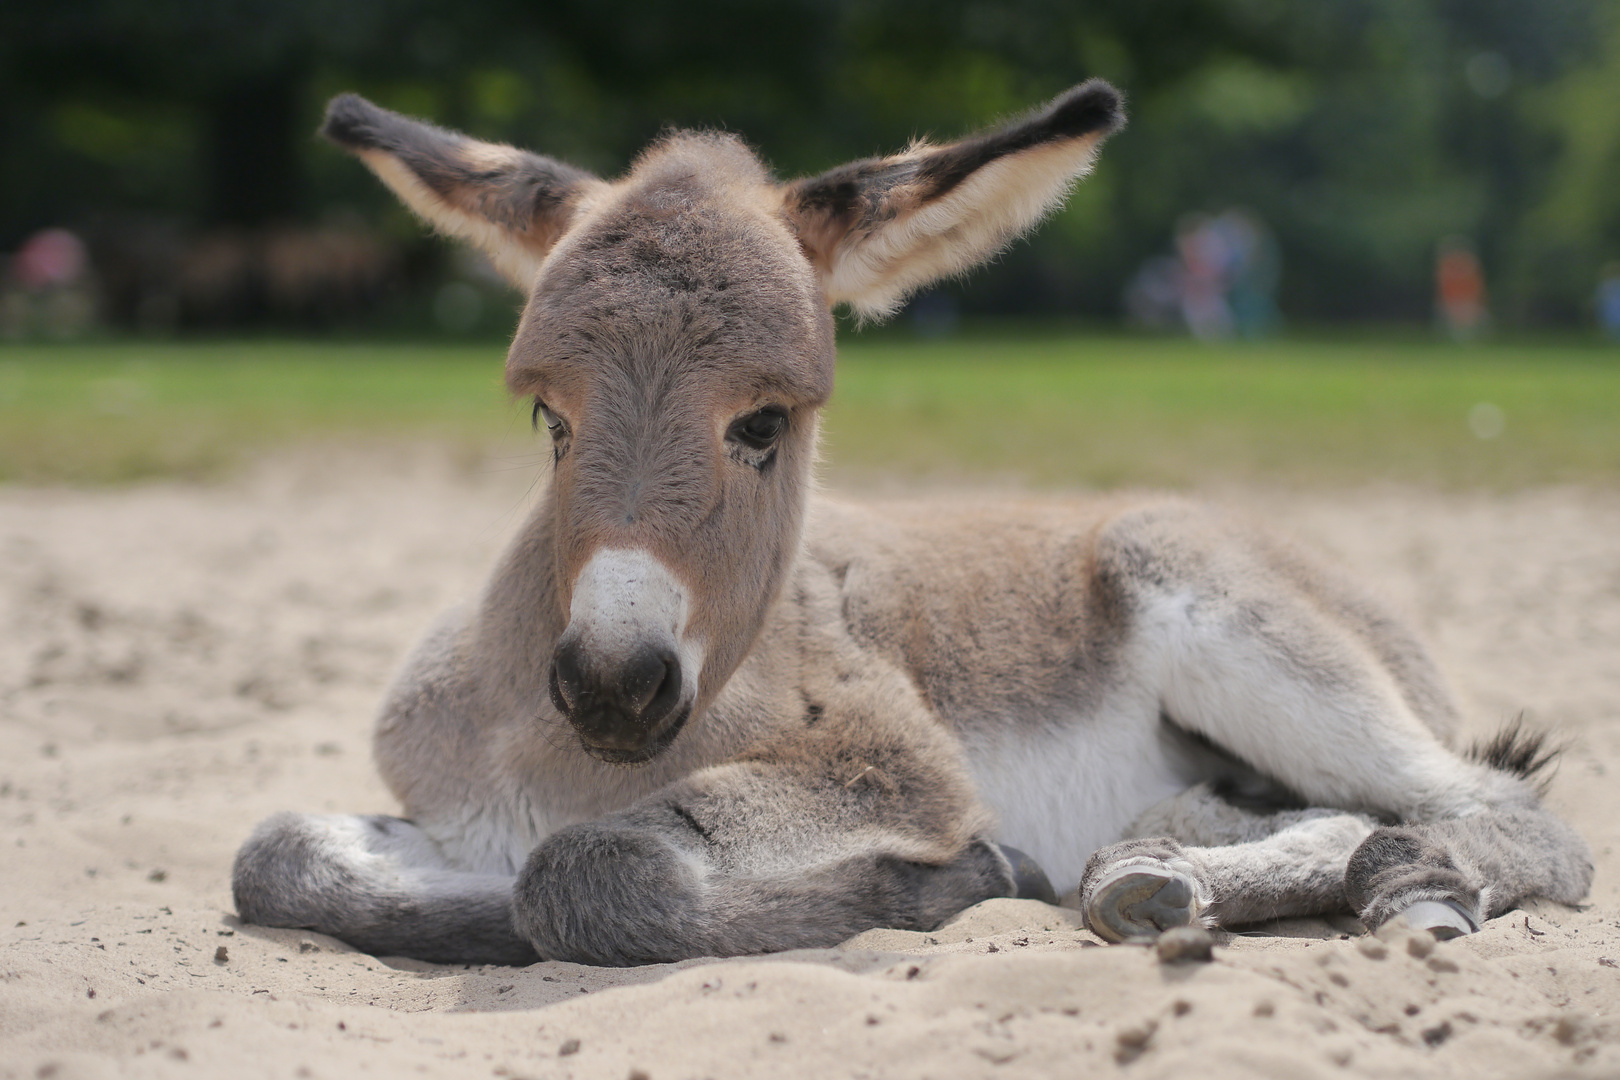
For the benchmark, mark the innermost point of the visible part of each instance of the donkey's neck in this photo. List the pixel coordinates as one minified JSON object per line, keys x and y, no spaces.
{"x":521,"y":612}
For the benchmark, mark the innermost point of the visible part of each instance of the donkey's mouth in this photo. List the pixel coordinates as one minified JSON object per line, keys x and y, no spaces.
{"x":640,"y":755}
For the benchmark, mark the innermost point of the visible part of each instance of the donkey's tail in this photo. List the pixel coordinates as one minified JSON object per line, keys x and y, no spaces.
{"x":378,"y":883}
{"x":1521,"y":749}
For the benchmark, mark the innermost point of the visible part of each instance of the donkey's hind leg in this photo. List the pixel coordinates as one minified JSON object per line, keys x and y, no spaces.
{"x":378,"y":883}
{"x":1201,"y":860}
{"x":1293,"y":671}
{"x":1450,"y":875}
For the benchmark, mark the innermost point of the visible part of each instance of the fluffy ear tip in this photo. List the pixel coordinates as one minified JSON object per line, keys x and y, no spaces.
{"x":351,"y":122}
{"x":1093,"y":106}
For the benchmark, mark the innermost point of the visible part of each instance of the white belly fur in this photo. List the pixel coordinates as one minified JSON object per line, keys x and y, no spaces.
{"x":1063,"y":791}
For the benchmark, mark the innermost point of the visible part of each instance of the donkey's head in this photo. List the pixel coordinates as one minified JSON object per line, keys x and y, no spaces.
{"x":678,"y":343}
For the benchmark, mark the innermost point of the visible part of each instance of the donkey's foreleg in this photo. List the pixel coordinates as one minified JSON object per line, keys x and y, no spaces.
{"x":1450,"y":875}
{"x":378,"y":883}
{"x":754,"y":858}
{"x":1210,"y":863}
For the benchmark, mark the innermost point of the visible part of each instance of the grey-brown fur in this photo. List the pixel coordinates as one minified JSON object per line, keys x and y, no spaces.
{"x":700,"y":709}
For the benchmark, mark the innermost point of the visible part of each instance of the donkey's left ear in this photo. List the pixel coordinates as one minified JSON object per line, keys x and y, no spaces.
{"x":511,"y":204}
{"x":880,"y":228}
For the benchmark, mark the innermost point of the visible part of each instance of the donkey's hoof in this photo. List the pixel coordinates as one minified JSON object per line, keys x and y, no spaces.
{"x":1029,"y":880}
{"x":1445,"y":919}
{"x":1141,"y":901}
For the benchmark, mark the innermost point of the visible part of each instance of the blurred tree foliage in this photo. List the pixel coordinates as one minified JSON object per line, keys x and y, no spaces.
{"x":1362,"y":131}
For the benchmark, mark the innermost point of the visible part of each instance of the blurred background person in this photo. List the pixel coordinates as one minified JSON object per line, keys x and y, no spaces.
{"x":47,"y":289}
{"x":1206,"y":258}
{"x":1459,"y":283}
{"x":1221,"y":282}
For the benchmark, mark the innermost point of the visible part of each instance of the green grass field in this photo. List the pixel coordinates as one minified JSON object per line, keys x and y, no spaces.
{"x":1041,"y":409}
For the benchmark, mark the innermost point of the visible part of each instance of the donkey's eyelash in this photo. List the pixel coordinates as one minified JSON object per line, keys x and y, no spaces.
{"x":554,"y":423}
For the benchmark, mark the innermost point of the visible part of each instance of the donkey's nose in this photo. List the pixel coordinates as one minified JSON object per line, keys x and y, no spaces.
{"x":617,"y":704}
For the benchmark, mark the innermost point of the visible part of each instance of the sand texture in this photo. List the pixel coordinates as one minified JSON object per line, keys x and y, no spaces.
{"x":177,"y":662}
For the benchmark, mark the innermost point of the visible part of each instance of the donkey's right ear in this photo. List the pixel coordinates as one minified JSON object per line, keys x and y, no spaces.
{"x":510,"y":204}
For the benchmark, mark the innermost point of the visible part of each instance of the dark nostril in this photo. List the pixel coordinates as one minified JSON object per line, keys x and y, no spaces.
{"x":643,"y":681}
{"x":668,"y":693}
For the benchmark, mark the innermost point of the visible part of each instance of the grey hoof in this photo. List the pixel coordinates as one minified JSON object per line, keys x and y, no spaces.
{"x":1445,"y":919}
{"x":1140,"y":902}
{"x":1029,"y":880}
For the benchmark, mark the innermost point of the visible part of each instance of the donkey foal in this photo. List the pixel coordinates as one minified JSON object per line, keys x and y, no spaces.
{"x":700,"y":710}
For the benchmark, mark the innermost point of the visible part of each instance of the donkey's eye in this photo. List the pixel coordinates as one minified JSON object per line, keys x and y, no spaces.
{"x":760,"y":429}
{"x":554,"y":422}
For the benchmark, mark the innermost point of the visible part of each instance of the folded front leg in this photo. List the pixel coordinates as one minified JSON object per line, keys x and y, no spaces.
{"x":379,"y":883}
{"x":794,"y":849}
{"x":633,"y":890}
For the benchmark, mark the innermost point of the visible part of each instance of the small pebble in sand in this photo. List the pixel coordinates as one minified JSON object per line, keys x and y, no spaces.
{"x":1570,"y":1030}
{"x":1185,"y":944}
{"x":158,"y":875}
{"x":1420,"y":944}
{"x":1132,"y":1042}
{"x":569,"y":1046}
{"x":222,"y":955}
{"x":1372,"y":948}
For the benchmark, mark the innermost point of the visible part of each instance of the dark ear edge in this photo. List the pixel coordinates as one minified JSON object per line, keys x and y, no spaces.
{"x":1094,"y":107}
{"x":356,"y":125}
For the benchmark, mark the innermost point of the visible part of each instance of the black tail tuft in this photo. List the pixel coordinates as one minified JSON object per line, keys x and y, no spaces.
{"x":1520,"y":749}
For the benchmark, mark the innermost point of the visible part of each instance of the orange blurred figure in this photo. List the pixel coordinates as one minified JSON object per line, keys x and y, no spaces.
{"x":1460,"y":290}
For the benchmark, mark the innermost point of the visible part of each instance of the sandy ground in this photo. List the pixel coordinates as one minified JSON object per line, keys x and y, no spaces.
{"x":177,"y":662}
